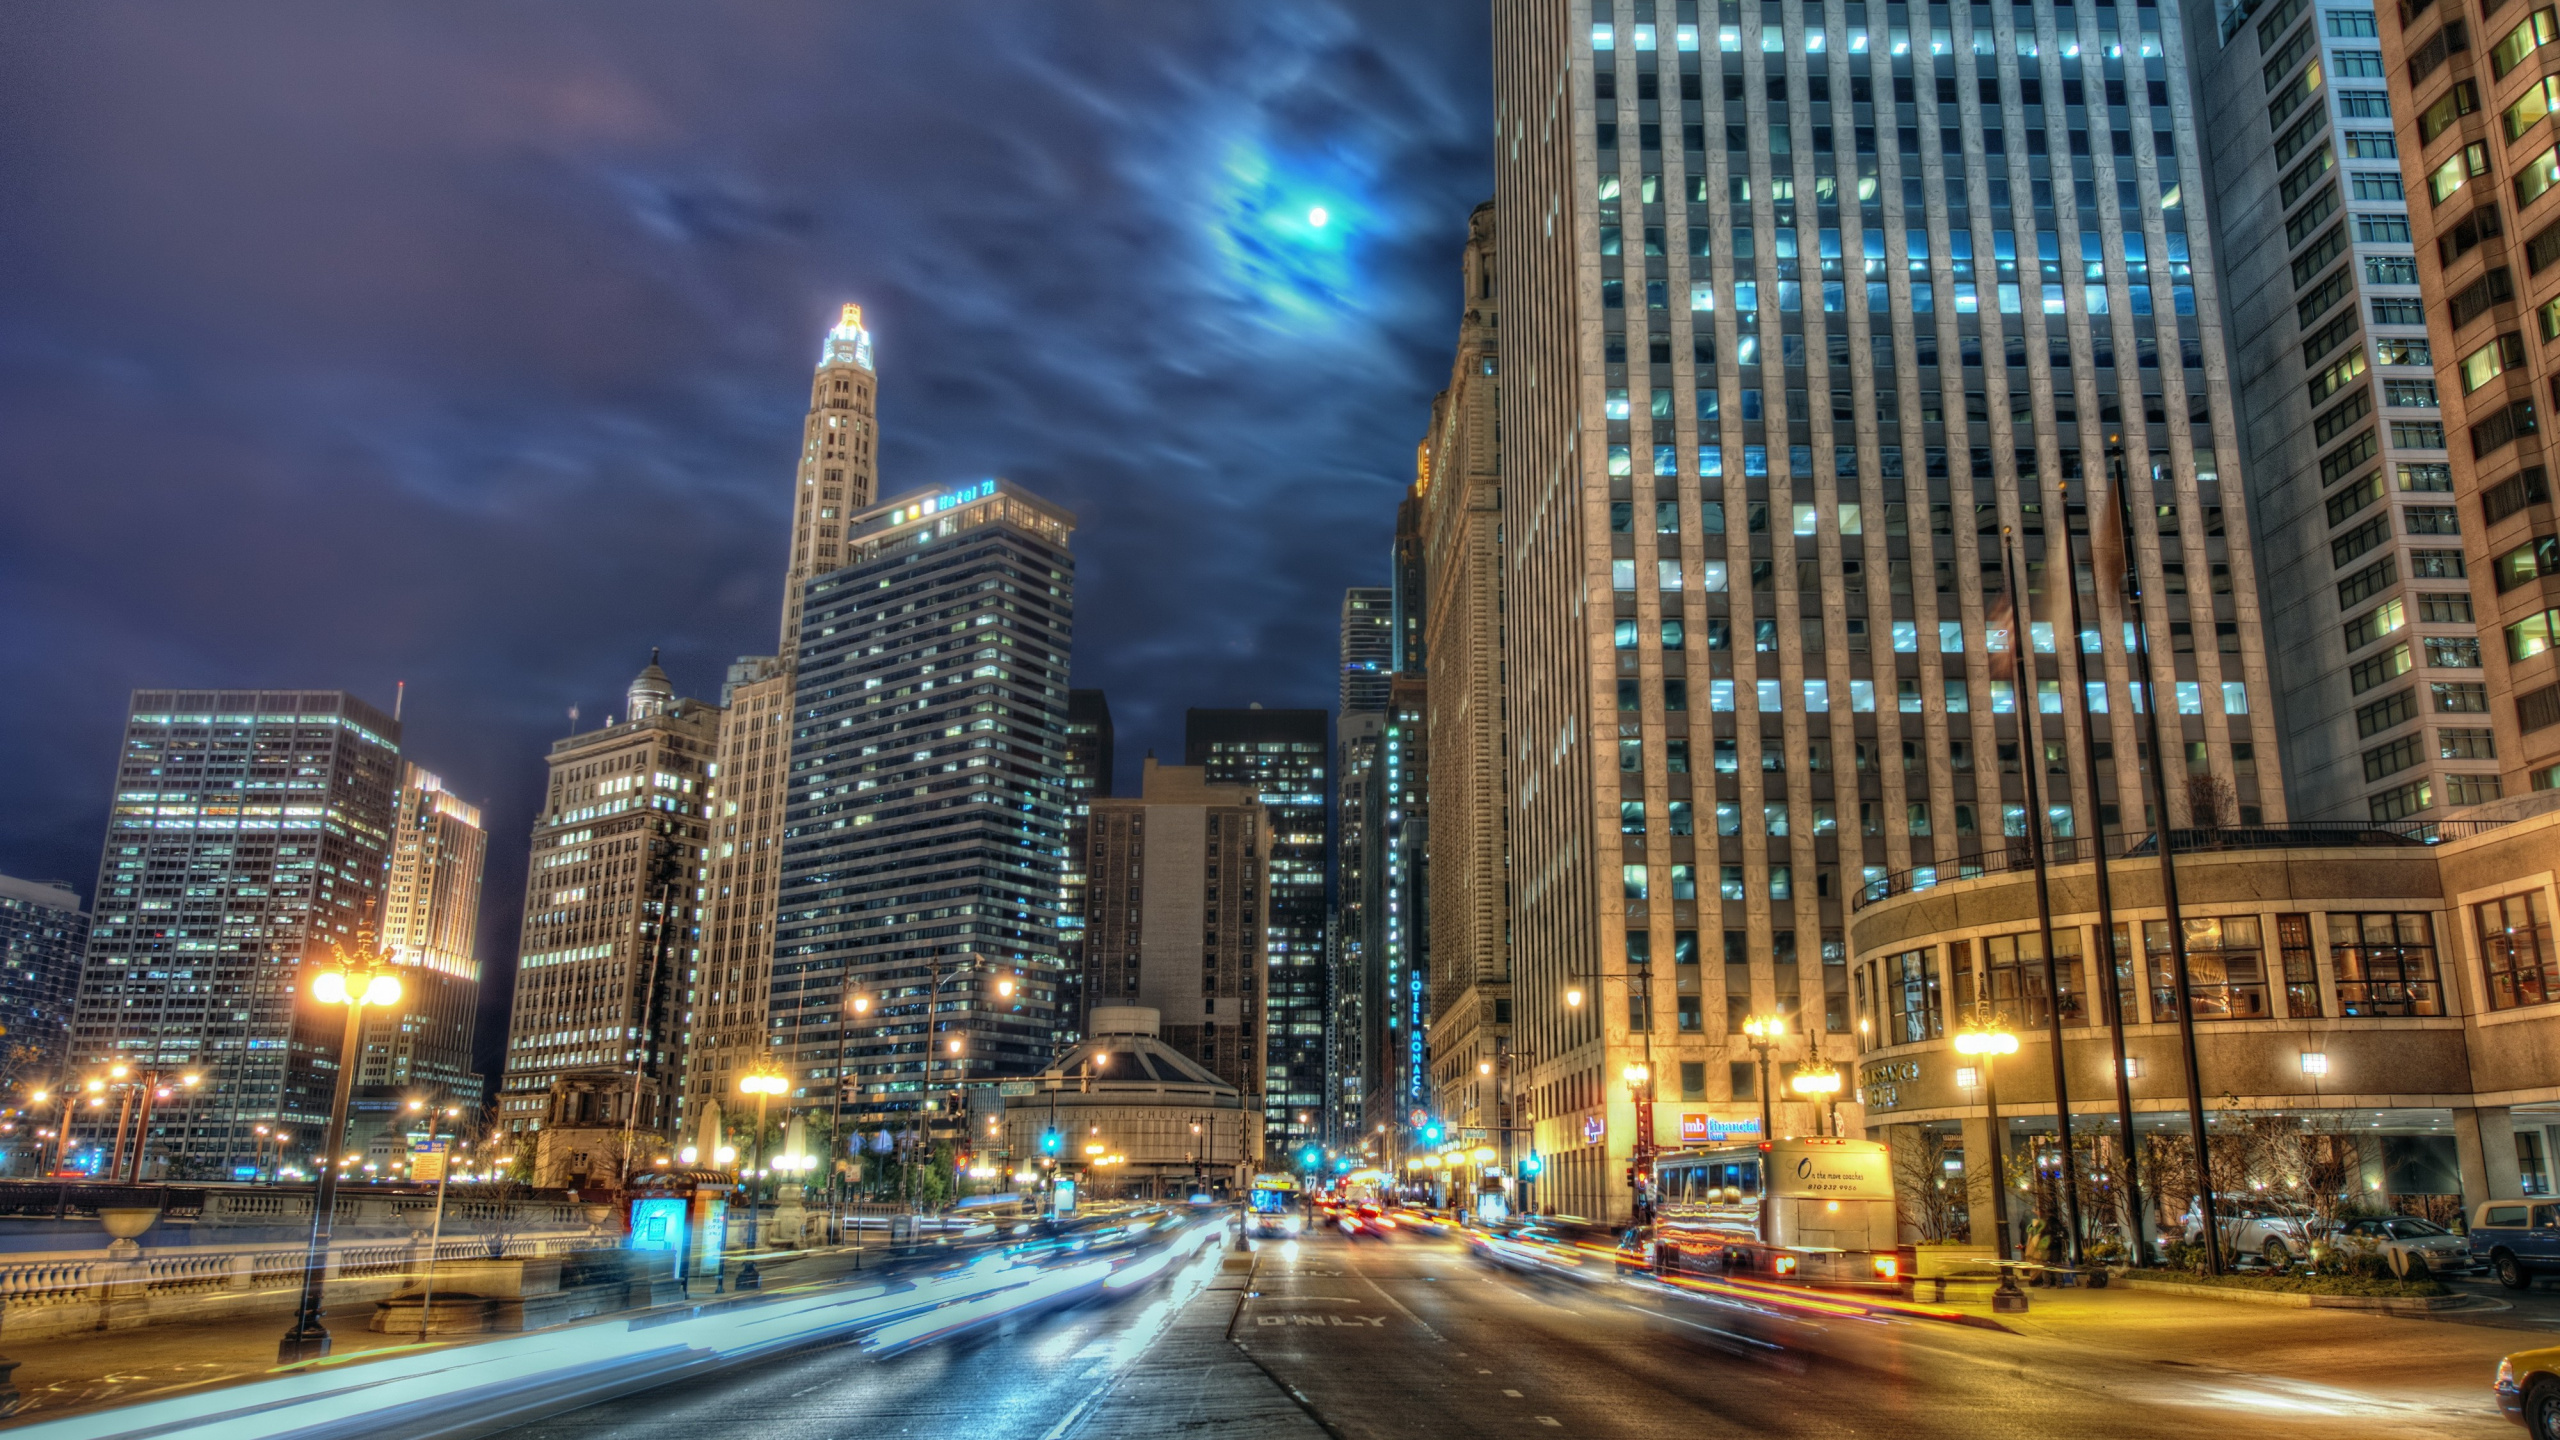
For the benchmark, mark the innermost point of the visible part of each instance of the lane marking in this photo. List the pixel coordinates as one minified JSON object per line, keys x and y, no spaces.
{"x":1069,"y":1418}
{"x":1550,"y":1420}
{"x":1514,"y":1394}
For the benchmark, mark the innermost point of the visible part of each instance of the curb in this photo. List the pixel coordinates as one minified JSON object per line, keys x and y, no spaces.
{"x":2295,"y":1300}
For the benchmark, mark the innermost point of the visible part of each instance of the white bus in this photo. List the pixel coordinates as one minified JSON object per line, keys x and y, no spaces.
{"x":1810,"y":1211}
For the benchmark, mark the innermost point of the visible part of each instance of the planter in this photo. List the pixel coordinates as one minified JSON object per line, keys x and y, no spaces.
{"x":125,"y":1225}
{"x":2297,"y":1300}
{"x":1934,"y":1262}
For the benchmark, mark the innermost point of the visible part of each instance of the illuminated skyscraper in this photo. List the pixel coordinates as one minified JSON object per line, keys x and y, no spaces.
{"x":611,"y":916}
{"x":1280,"y":756}
{"x":430,"y":924}
{"x":1088,"y":774}
{"x":1368,"y":648}
{"x":251,"y":831}
{"x":926,"y":832}
{"x":725,"y":1034}
{"x":2368,"y":612}
{"x":1735,"y":413}
{"x":43,"y":934}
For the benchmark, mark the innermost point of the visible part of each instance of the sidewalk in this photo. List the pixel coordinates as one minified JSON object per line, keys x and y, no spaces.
{"x":99,"y":1370}
{"x":1194,"y":1380}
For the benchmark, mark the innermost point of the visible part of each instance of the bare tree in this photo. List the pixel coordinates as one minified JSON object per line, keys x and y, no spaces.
{"x":1920,"y":1176}
{"x":2211,"y":802}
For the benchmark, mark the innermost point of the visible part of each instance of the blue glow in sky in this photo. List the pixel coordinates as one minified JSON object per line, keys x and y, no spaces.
{"x":1290,"y":232}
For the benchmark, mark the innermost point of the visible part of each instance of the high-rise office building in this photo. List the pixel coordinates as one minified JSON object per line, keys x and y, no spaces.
{"x":1280,"y":755}
{"x":725,"y":1035}
{"x":1349,"y":1058}
{"x":838,"y":477}
{"x":1465,"y":789}
{"x":1396,"y":874}
{"x":43,"y":934}
{"x":2469,"y":94}
{"x":2360,"y":557}
{"x":430,"y":926}
{"x":1088,"y":778}
{"x":839,"y":465}
{"x":251,"y":832}
{"x":1179,"y":914}
{"x":917,"y":944}
{"x":1737,"y":411}
{"x":611,"y":917}
{"x":1368,"y":647}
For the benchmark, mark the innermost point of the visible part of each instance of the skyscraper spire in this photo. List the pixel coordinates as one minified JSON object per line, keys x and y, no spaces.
{"x":839,"y":463}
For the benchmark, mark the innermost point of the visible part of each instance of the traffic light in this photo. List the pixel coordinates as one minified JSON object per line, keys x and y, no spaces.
{"x":1308,"y":1157}
{"x":1050,"y":1140}
{"x":1532,"y":1167}
{"x":1431,"y":1133}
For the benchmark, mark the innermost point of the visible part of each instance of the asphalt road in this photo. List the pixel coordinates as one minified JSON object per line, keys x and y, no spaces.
{"x":1416,"y":1336}
{"x":1409,"y":1337}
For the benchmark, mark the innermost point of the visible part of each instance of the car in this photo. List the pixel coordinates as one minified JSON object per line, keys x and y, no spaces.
{"x":2416,"y":1248}
{"x":2528,"y":1391}
{"x":2277,"y":1235}
{"x":2517,"y":1239}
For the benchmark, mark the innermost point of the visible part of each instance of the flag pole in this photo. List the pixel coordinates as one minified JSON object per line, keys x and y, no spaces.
{"x":2022,"y":665}
{"x":2168,"y":868}
{"x":2111,"y":994}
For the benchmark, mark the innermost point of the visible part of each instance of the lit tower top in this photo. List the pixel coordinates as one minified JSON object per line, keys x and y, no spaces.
{"x":839,"y":464}
{"x":848,"y":343}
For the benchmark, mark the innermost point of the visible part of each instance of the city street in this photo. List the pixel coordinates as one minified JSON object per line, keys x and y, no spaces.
{"x":1416,"y":1336}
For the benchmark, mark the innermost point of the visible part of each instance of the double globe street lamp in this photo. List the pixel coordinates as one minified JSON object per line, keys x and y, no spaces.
{"x":353,"y":985}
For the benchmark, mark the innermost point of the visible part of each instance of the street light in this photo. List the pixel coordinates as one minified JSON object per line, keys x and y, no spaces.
{"x":1821,"y":1085}
{"x":353,"y":985}
{"x":1763,"y":1033}
{"x":1983,"y":1039}
{"x":763,"y":1084}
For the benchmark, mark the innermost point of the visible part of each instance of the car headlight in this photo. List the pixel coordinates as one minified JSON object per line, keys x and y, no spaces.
{"x":2506,"y":1375}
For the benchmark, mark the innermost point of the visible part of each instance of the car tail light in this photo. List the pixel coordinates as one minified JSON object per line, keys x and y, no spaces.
{"x":1887,"y":1267}
{"x":1786,"y":1265}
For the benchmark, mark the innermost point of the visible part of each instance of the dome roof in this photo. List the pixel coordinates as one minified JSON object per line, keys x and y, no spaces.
{"x":652,"y":693}
{"x":1126,"y":1053}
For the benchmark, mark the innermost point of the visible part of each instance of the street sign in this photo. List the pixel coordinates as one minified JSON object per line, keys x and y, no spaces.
{"x":1592,"y":1130}
{"x":1019,"y":1087}
{"x":1421,"y":1115}
{"x":427,"y":1160}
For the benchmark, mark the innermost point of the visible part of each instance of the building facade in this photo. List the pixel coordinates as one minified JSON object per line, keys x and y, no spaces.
{"x":1280,"y":756}
{"x":1465,"y":785}
{"x":2372,"y":1016}
{"x":1713,"y":430}
{"x":2468,"y":97}
{"x":838,"y":477}
{"x":1088,"y":771}
{"x":612,"y":915}
{"x":1368,"y":647}
{"x":1396,"y":873}
{"x":1349,"y":1058}
{"x":251,"y":833}
{"x":1179,"y":917}
{"x":431,"y":928}
{"x":917,"y":942}
{"x":44,"y":932}
{"x":727,"y":982}
{"x":2368,"y":613}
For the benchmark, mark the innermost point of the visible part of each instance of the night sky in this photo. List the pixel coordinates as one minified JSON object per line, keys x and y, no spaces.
{"x":468,"y":345}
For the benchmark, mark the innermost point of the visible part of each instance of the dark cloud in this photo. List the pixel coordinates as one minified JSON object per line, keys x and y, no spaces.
{"x":467,"y":345}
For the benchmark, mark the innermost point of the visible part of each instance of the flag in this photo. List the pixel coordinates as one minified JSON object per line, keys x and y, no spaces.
{"x":2000,"y":623}
{"x":2110,"y":534}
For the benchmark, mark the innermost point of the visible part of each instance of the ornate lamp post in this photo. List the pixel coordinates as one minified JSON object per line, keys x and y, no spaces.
{"x":1985,"y":1041}
{"x":1764,"y":1032}
{"x":352,"y":984}
{"x":1820,"y":1084}
{"x":764,"y":1085}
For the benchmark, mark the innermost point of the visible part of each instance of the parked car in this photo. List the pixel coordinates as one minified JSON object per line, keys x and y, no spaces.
{"x":2517,"y":1239}
{"x":2277,"y":1235}
{"x":2415,"y":1248}
{"x":2528,"y":1391}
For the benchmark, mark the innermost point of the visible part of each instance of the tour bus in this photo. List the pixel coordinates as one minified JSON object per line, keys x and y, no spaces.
{"x":1813,"y":1211}
{"x":1274,"y":1209}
